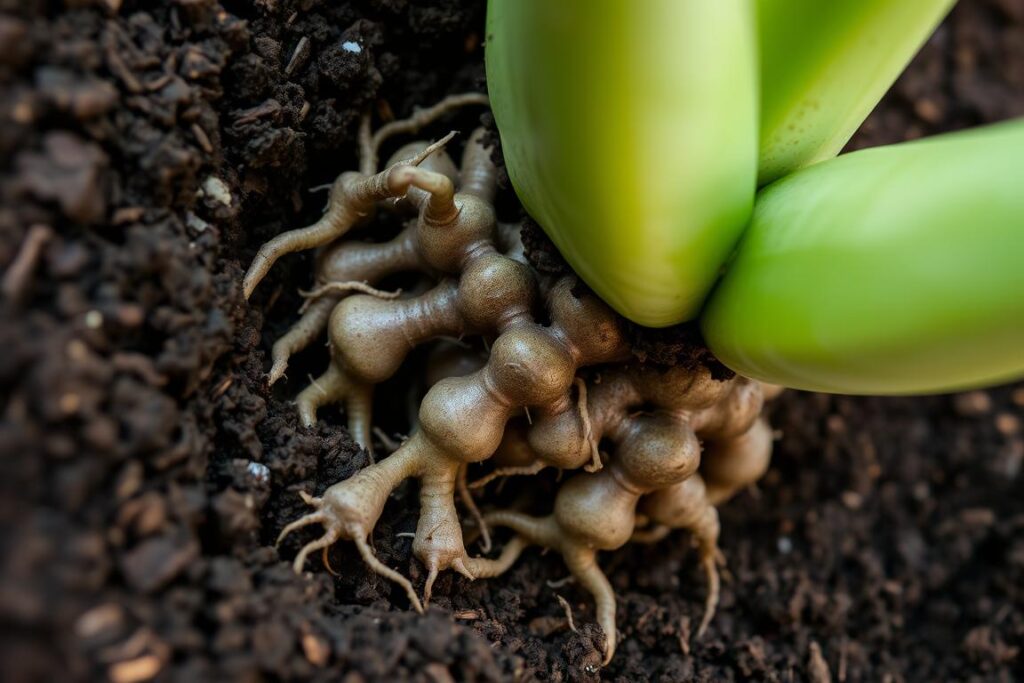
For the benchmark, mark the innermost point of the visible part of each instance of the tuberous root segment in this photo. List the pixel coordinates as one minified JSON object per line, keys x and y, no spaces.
{"x":476,"y":284}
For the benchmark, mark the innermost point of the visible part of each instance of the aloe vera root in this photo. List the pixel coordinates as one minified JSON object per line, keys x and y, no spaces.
{"x":523,"y":405}
{"x":656,"y":454}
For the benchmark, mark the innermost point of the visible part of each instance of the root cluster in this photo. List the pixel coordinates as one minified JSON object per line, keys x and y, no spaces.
{"x":646,"y":449}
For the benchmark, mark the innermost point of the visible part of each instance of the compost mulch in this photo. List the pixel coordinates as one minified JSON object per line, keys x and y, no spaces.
{"x":148,"y":148}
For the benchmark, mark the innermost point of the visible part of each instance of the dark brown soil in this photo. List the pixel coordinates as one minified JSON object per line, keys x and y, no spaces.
{"x":145,"y":468}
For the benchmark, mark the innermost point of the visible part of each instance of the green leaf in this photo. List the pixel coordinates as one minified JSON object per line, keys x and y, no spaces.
{"x":629,"y":131}
{"x":825,"y":64}
{"x":893,"y":270}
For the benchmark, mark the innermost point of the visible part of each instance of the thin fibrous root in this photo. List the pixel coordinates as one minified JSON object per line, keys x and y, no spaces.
{"x":390,"y":444}
{"x":301,"y":334}
{"x":330,"y":536}
{"x":474,"y":511}
{"x":582,"y":564}
{"x":313,"y":295}
{"x":312,"y":518}
{"x":327,"y":562}
{"x":714,"y":588}
{"x":507,"y":472}
{"x":428,"y":587}
{"x":568,"y":612}
{"x":588,"y":429}
{"x":387,"y":572}
{"x":369,"y":145}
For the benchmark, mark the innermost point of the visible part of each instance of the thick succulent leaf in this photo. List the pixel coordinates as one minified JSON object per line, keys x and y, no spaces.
{"x":825,"y":64}
{"x":629,"y":131}
{"x":894,"y":270}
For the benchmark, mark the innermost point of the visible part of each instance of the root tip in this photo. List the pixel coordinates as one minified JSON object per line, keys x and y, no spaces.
{"x":460,"y":566}
{"x":276,"y":372}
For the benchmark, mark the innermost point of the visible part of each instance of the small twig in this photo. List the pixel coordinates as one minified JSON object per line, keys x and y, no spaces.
{"x":299,"y":54}
{"x":202,"y":138}
{"x":327,"y":563}
{"x":430,"y":149}
{"x":16,"y":278}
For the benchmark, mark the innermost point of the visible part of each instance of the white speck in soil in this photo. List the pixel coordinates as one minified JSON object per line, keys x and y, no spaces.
{"x":785,"y":545}
{"x":351,"y":46}
{"x":259,"y":470}
{"x":215,"y":188}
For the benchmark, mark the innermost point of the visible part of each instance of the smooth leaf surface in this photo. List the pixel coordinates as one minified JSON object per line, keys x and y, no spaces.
{"x":894,"y":270}
{"x":825,"y":64}
{"x":629,"y":131}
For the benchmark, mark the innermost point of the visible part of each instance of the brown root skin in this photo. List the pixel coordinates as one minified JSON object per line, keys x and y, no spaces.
{"x":597,"y":511}
{"x":477,"y":283}
{"x":657,"y":452}
{"x":466,"y":496}
{"x":529,"y":365}
{"x":355,"y":262}
{"x":685,"y":505}
{"x":349,"y":510}
{"x":454,"y":234}
{"x":352,"y":200}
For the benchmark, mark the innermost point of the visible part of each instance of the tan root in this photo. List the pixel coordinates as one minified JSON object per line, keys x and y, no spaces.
{"x":524,"y":406}
{"x":655,"y":454}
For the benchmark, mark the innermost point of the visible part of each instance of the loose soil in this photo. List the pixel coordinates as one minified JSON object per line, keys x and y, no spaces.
{"x":148,"y":148}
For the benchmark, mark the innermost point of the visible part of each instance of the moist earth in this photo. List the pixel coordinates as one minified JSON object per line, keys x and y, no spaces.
{"x":148,"y":148}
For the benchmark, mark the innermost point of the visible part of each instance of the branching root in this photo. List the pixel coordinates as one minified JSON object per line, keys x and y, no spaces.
{"x":679,"y":441}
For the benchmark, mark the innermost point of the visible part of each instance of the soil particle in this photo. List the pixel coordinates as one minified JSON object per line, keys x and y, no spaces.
{"x":146,"y":151}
